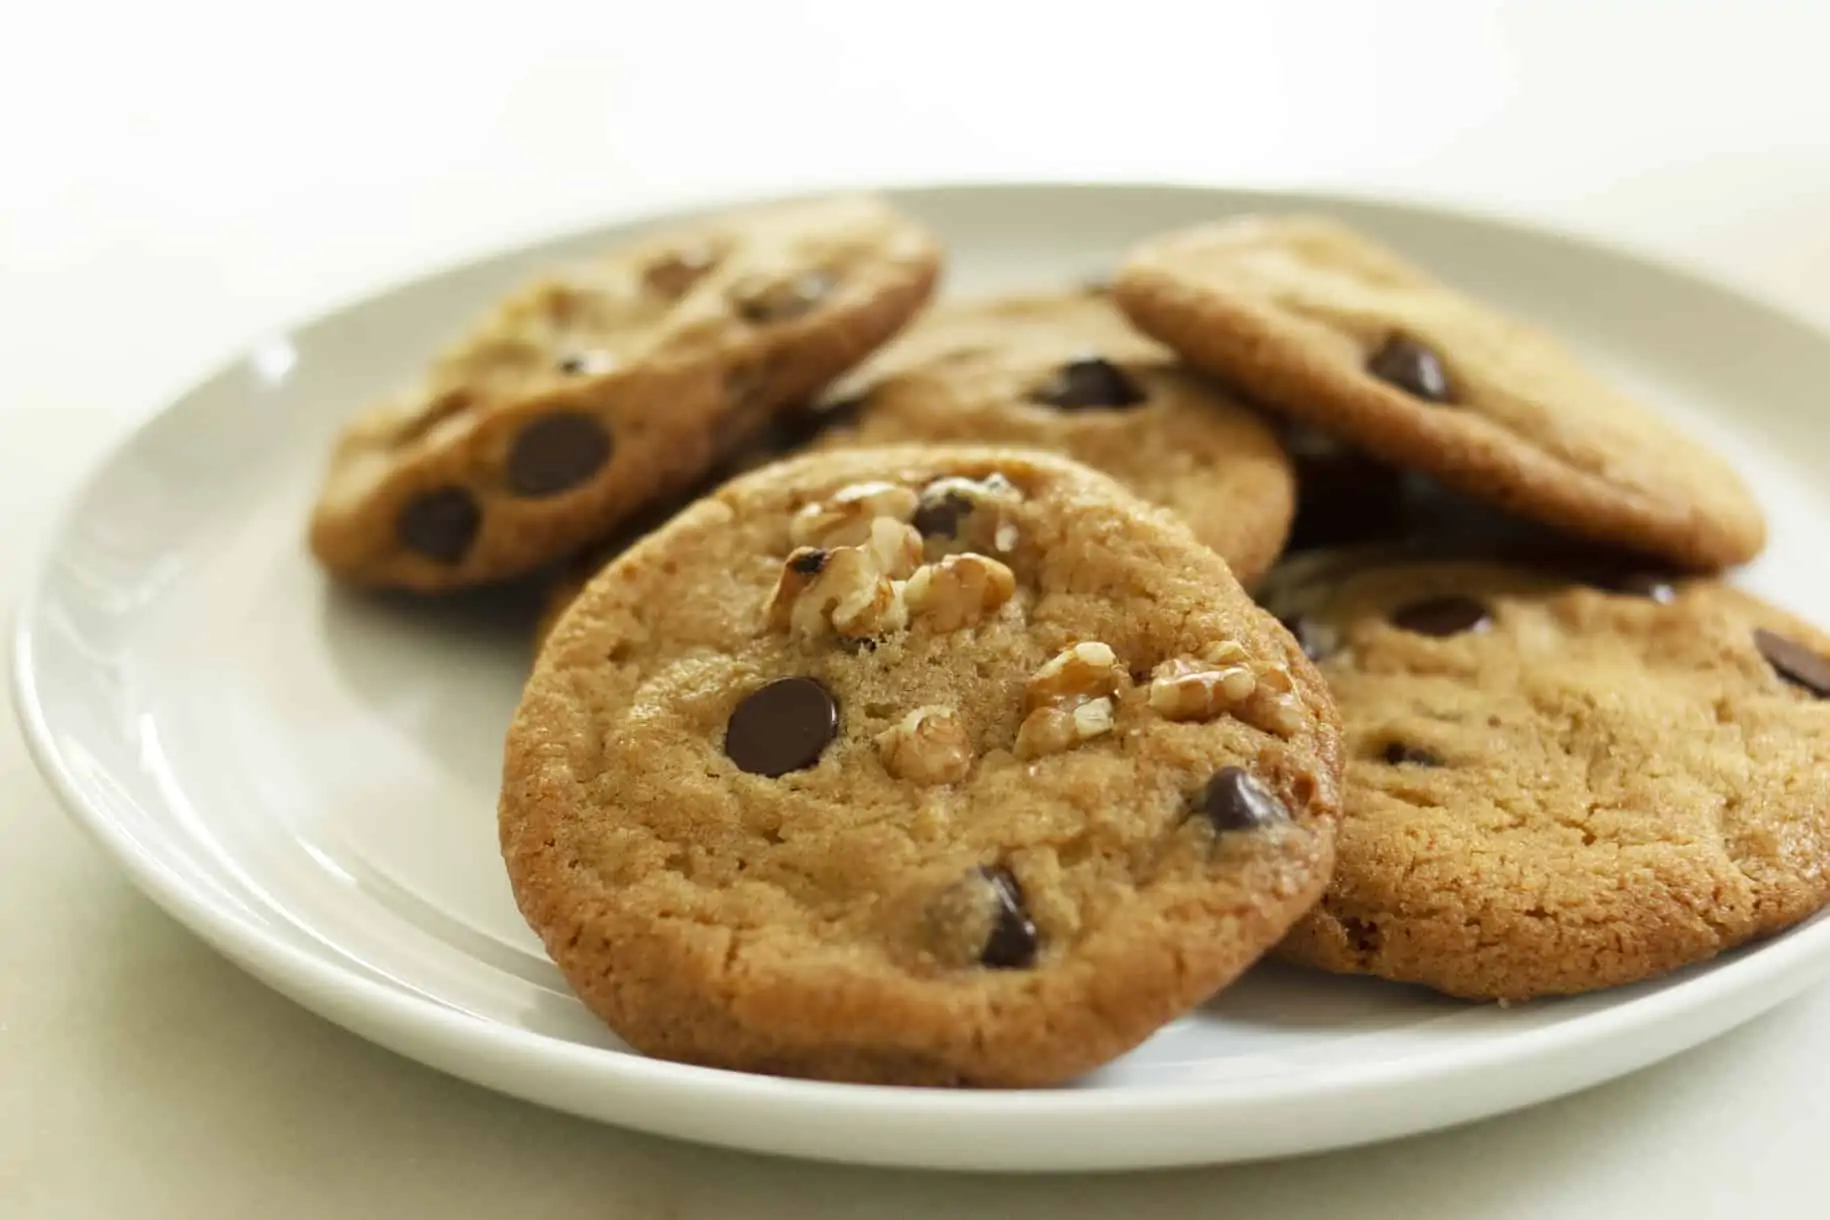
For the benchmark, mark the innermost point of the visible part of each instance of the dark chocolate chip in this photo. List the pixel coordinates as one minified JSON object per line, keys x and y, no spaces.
{"x":773,"y":300}
{"x":809,"y":560}
{"x":676,"y":271}
{"x":556,"y":453}
{"x":1398,"y":754}
{"x":439,"y":524}
{"x":782,"y":727}
{"x":941,"y":518}
{"x":587,"y":364}
{"x":1011,"y":943}
{"x":1800,"y":666}
{"x":1091,"y":381}
{"x":1411,"y":367}
{"x":1235,"y":800}
{"x":1634,"y":583}
{"x":1440,"y":616}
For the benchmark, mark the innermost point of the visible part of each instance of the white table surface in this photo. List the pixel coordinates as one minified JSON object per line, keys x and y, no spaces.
{"x":177,"y":178}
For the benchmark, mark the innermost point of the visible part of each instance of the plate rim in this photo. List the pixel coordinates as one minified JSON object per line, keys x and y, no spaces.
{"x":1776,"y":969}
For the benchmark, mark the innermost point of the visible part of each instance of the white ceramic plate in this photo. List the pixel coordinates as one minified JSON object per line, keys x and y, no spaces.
{"x":308,"y":778}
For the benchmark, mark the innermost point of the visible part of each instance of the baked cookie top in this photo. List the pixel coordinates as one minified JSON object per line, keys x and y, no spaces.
{"x":913,"y":765}
{"x":1339,"y":332}
{"x":596,"y":390}
{"x":1558,"y":782}
{"x":1067,"y":373}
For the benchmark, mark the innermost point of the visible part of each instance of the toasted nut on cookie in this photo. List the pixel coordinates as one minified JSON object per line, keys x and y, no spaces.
{"x":1273,"y":705}
{"x":802,"y":568}
{"x":958,"y":514}
{"x":894,"y":547}
{"x":928,"y":746}
{"x":959,"y":590}
{"x":1086,"y":671}
{"x":1050,"y":730}
{"x":842,"y":589}
{"x":1225,"y":652}
{"x":845,"y":518}
{"x":1184,"y":690}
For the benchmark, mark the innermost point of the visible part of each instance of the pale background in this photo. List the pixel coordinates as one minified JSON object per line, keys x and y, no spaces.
{"x":178,"y":178}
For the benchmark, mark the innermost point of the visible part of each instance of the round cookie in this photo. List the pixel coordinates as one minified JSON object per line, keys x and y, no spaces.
{"x":1066,"y":373}
{"x":1319,"y":322}
{"x":1554,"y":784}
{"x":596,"y":391}
{"x":921,"y":766}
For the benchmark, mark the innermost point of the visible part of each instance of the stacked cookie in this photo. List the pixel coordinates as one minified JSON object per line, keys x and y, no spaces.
{"x":955,"y":692}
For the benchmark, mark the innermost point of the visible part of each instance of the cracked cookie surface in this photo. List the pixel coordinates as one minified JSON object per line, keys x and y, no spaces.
{"x":1559,"y":782}
{"x":595,"y":391}
{"x":1323,"y":324}
{"x":1068,"y":373}
{"x":954,"y":766}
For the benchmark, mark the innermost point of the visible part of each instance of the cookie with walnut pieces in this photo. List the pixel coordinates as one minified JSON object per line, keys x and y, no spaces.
{"x":1068,"y":373}
{"x":1559,"y":778}
{"x":603,"y":388}
{"x":955,"y":766}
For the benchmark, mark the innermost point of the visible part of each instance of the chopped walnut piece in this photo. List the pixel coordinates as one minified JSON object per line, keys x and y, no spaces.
{"x":1085,"y":671}
{"x":928,"y":746}
{"x":1070,"y":700}
{"x":1273,"y":705}
{"x":958,"y":514}
{"x":846,"y":517}
{"x":843,"y":589}
{"x":894,"y":547}
{"x":1215,"y":680}
{"x":959,"y":590}
{"x":1050,"y":730}
{"x":1184,"y":691}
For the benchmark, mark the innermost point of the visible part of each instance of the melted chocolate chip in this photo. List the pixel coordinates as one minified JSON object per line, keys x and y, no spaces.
{"x":1089,"y":382}
{"x":809,"y":560}
{"x":763,"y":301}
{"x":941,"y":518}
{"x":439,"y":524}
{"x":1411,"y":367}
{"x":1011,"y":943}
{"x":673,"y":273}
{"x":782,"y":727}
{"x":1794,"y":662}
{"x":1235,"y":800}
{"x":556,"y":453}
{"x":1398,"y":754}
{"x":1442,"y":616}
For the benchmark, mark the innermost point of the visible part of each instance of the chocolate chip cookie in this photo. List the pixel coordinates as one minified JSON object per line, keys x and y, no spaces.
{"x":1065,"y":372}
{"x":600,"y":389}
{"x":1323,"y":324}
{"x":1560,"y":781}
{"x":954,"y":766}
